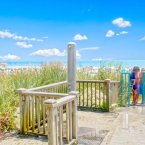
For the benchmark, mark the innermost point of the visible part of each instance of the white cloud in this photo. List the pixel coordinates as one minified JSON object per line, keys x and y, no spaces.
{"x":110,"y":33}
{"x":143,"y":38}
{"x":7,"y":34}
{"x":120,"y":22}
{"x":10,"y":57}
{"x":24,"y":44}
{"x":52,"y":52}
{"x":122,"y":33}
{"x":48,"y":52}
{"x":89,"y":48}
{"x":80,"y":37}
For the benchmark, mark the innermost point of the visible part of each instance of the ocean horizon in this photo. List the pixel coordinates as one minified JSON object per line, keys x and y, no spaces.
{"x":96,"y":63}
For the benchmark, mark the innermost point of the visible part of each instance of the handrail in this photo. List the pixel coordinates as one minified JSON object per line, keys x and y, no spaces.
{"x":55,"y":113}
{"x":59,"y":102}
{"x":48,"y":86}
{"x":114,"y":81}
{"x":58,"y":95}
{"x":91,"y":81}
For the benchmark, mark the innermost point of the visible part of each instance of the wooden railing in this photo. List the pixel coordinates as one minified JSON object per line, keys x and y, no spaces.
{"x":43,"y":113}
{"x":51,"y":110}
{"x":61,"y":87}
{"x":93,"y":94}
{"x":57,"y":129}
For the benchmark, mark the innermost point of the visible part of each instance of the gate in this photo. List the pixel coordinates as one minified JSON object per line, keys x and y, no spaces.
{"x":143,"y":87}
{"x":125,"y":88}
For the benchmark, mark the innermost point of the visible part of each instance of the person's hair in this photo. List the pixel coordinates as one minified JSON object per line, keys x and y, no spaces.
{"x":136,"y":69}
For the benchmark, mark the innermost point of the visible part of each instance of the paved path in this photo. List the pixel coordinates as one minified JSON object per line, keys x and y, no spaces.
{"x":126,"y":126}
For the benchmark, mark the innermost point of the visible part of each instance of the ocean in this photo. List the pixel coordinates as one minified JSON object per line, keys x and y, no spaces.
{"x":96,"y":63}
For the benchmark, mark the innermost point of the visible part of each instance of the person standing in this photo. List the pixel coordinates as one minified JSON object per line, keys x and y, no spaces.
{"x":135,"y":83}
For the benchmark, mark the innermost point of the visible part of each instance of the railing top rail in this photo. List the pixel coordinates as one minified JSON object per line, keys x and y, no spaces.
{"x":115,"y":81}
{"x":90,"y":81}
{"x":48,"y":86}
{"x":60,"y":102}
{"x":56,"y":95}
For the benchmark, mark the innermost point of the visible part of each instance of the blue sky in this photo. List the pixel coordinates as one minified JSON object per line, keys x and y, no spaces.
{"x":102,"y":29}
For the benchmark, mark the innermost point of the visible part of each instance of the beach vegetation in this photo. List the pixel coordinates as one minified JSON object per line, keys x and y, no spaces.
{"x":14,"y":79}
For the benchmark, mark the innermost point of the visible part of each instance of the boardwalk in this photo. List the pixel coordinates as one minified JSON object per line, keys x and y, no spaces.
{"x":126,"y":126}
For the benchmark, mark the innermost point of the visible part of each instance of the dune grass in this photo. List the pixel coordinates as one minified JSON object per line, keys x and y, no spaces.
{"x":24,"y":78}
{"x":28,"y":78}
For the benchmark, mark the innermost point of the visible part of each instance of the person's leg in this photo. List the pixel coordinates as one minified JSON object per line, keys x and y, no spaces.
{"x":136,"y":95}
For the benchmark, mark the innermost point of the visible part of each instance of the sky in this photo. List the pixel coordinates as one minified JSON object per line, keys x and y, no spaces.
{"x":39,"y":30}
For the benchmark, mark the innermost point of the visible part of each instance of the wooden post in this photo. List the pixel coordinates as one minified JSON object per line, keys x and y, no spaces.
{"x":51,"y":114}
{"x":71,"y":67}
{"x":108,"y":93}
{"x":74,"y":116}
{"x":22,"y":107}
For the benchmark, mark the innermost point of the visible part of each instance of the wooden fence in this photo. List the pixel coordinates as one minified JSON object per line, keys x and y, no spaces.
{"x":42,"y":113}
{"x":51,"y":110}
{"x":93,"y":94}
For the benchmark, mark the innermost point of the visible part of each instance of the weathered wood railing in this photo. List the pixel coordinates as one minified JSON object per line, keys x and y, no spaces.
{"x":56,"y":126}
{"x":51,"y":110}
{"x":42,"y":113}
{"x":94,"y":94}
{"x":61,"y":87}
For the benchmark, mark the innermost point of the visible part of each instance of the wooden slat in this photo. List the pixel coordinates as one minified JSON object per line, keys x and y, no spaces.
{"x":70,"y":121}
{"x":83,"y":94}
{"x":87,"y":95}
{"x":67,"y":122}
{"x":28,"y":107}
{"x":30,"y":111}
{"x":91,"y":96}
{"x":25,"y":115}
{"x":38,"y":112}
{"x":56,"y":126}
{"x":33,"y":113}
{"x":79,"y":95}
{"x":99,"y":95}
{"x":44,"y":117}
{"x":104,"y":86}
{"x":21,"y":114}
{"x":60,"y":124}
{"x":95,"y":96}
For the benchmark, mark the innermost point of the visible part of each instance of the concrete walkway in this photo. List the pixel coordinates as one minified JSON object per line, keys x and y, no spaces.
{"x":125,"y":126}
{"x":128,"y":128}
